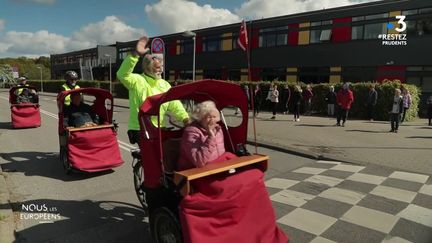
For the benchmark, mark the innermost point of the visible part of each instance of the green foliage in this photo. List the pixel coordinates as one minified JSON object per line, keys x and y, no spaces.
{"x":29,"y":67}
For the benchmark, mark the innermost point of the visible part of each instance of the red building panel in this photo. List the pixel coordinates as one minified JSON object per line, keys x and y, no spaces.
{"x":342,"y":33}
{"x":391,"y":72}
{"x":293,"y":35}
{"x":255,"y":38}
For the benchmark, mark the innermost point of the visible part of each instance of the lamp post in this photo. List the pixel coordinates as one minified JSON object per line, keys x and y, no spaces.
{"x":189,"y":34}
{"x":40,"y":69}
{"x":110,"y":78}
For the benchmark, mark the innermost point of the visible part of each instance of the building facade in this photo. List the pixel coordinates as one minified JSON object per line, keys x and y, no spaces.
{"x":332,"y":45}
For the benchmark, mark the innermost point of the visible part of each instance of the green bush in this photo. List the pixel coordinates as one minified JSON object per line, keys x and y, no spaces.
{"x":358,"y":110}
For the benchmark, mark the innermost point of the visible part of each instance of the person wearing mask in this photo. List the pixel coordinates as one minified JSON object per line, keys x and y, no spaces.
{"x":286,"y":96}
{"x":344,"y":99}
{"x":257,"y":99}
{"x":148,"y":83}
{"x":71,"y":78}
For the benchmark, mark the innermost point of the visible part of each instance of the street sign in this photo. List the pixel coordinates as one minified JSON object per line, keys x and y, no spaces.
{"x":157,"y":46}
{"x":158,"y":50}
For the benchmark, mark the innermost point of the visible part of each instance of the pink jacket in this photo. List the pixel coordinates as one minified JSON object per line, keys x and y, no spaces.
{"x":197,"y":148}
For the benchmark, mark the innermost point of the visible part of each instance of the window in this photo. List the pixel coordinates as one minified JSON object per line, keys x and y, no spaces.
{"x":411,"y":27}
{"x":358,"y":18}
{"x":270,"y":37}
{"x":427,"y":84}
{"x":211,"y":44}
{"x":319,"y":36}
{"x":358,"y":74}
{"x":371,"y":31}
{"x":314,"y":74}
{"x":270,"y":74}
{"x":212,"y":74}
{"x":185,"y":75}
{"x":425,"y":10}
{"x":327,"y":22}
{"x":377,"y":16}
{"x":424,"y":27}
{"x":234,"y":75}
{"x":325,"y":35}
{"x":234,"y":40}
{"x":316,"y":23}
{"x":410,"y":12}
{"x":357,"y":32}
{"x":186,"y":46}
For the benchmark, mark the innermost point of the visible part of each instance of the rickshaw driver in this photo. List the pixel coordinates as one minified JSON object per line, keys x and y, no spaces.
{"x":22,"y":83}
{"x":143,"y":85}
{"x":71,"y":78}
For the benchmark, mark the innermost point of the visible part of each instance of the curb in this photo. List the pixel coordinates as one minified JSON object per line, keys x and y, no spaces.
{"x":301,"y":152}
{"x":7,"y":223}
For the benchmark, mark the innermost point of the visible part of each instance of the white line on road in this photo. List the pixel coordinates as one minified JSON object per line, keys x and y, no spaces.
{"x":122,"y":144}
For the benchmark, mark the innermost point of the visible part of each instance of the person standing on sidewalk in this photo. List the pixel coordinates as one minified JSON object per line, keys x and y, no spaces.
{"x":331,"y":101}
{"x":286,"y":96}
{"x":406,"y":97}
{"x":345,"y":98}
{"x":141,"y":86}
{"x":429,"y":109}
{"x":297,"y":98}
{"x":257,"y":99}
{"x":396,"y":110}
{"x":274,"y":98}
{"x":371,"y":101}
{"x":307,"y":96}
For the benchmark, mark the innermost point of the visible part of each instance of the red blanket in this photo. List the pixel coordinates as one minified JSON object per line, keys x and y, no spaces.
{"x":230,"y":209}
{"x":25,"y":115}
{"x":94,"y":150}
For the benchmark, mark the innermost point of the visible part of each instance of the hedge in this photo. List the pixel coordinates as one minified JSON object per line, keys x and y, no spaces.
{"x":319,"y":106}
{"x":358,"y":110}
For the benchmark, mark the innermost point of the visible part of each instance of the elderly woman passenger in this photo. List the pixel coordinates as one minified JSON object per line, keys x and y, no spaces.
{"x":203,"y":139}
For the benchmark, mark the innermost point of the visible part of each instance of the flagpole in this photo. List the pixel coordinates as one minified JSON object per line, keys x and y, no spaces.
{"x":252,"y":94}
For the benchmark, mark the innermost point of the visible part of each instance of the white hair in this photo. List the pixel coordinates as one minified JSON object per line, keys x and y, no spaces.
{"x":204,"y":108}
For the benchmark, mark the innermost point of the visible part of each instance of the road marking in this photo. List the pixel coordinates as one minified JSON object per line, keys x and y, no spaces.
{"x":123,"y":145}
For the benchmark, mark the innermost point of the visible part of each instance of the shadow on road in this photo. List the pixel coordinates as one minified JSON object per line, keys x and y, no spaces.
{"x":314,"y":125}
{"x":79,"y":221}
{"x":366,"y":131}
{"x":425,"y":137}
{"x":5,"y":125}
{"x":42,"y":164}
{"x":430,"y":127}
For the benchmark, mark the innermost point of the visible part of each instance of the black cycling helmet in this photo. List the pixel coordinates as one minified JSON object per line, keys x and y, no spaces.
{"x":71,"y":75}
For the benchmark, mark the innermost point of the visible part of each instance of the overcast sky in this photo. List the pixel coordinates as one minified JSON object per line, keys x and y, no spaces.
{"x":42,"y":27}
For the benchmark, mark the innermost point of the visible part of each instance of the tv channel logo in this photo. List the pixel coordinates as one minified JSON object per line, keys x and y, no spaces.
{"x":395,"y":39}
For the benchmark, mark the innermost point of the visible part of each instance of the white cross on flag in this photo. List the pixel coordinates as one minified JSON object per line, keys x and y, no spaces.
{"x":242,"y":40}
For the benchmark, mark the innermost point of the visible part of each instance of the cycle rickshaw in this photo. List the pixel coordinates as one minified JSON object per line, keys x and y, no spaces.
{"x":90,"y":148}
{"x":24,"y":105}
{"x":180,"y":206}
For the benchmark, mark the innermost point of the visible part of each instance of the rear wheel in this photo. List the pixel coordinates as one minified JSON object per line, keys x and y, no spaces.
{"x":138,"y":181}
{"x":166,"y":227}
{"x":67,"y":167}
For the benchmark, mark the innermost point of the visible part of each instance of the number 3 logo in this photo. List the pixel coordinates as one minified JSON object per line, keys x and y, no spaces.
{"x":402,"y":22}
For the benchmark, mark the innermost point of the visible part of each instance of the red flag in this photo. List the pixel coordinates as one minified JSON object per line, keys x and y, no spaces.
{"x":242,"y":40}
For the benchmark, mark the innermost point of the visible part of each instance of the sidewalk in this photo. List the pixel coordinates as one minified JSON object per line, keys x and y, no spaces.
{"x":360,"y":141}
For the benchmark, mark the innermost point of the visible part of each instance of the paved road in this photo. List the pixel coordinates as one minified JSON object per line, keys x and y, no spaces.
{"x":313,"y":200}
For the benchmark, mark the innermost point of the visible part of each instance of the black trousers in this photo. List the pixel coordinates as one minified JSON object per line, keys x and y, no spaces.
{"x":403,"y":114}
{"x":394,"y":121}
{"x":296,"y":111}
{"x":274,"y":108}
{"x":342,"y":114}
